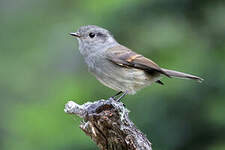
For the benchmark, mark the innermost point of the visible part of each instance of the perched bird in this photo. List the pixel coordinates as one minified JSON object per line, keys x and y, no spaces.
{"x":116,"y":66}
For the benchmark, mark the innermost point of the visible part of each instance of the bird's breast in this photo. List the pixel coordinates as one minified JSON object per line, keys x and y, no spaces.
{"x":117,"y":77}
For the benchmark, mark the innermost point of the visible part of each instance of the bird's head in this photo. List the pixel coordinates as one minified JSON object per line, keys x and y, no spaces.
{"x":92,"y":38}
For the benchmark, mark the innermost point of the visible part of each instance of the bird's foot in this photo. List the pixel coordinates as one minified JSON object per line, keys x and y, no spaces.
{"x":118,"y":99}
{"x":123,"y":95}
{"x":114,"y":96}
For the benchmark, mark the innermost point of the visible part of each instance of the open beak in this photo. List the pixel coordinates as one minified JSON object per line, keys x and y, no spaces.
{"x":75,"y":34}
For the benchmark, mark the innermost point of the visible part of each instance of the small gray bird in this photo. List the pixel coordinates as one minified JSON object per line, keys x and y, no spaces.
{"x":116,"y":66}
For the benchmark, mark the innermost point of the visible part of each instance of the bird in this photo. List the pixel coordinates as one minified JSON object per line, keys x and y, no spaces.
{"x":117,"y":66}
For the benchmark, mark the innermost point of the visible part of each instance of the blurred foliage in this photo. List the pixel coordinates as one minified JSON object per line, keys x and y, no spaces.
{"x":41,"y":69}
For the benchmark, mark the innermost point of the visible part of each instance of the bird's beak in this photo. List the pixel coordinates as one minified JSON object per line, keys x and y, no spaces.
{"x":75,"y":34}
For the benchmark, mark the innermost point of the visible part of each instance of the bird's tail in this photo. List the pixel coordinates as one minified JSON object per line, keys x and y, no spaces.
{"x":177,"y":74}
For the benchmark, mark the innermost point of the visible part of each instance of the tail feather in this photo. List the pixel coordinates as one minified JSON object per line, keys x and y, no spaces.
{"x":178,"y":74}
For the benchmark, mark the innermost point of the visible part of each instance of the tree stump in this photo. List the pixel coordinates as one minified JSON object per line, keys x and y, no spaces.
{"x":108,"y":124}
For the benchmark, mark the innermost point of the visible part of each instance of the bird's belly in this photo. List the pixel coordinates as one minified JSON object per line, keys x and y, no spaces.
{"x":122,"y":78}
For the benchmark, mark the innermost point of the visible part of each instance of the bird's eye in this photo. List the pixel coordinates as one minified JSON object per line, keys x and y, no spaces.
{"x":91,"y":35}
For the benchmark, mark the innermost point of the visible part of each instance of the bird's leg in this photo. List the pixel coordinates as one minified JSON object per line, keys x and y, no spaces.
{"x":113,"y":97}
{"x":124,"y":94}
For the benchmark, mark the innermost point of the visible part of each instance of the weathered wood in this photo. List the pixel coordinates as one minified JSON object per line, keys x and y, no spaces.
{"x":108,"y":125}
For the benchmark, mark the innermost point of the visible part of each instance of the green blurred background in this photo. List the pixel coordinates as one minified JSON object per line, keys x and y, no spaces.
{"x":41,"y":69}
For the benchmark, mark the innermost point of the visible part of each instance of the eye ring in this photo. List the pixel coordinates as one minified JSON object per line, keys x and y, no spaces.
{"x":91,"y":35}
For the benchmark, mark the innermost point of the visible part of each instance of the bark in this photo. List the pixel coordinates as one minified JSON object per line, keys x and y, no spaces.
{"x":108,"y":124}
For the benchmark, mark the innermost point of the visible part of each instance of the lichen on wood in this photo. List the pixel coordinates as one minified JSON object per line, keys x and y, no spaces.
{"x":108,"y":124}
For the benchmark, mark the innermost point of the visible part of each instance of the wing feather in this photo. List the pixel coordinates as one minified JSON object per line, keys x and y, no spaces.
{"x":123,"y":56}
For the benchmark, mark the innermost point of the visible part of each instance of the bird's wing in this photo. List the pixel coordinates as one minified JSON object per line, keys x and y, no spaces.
{"x":123,"y":56}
